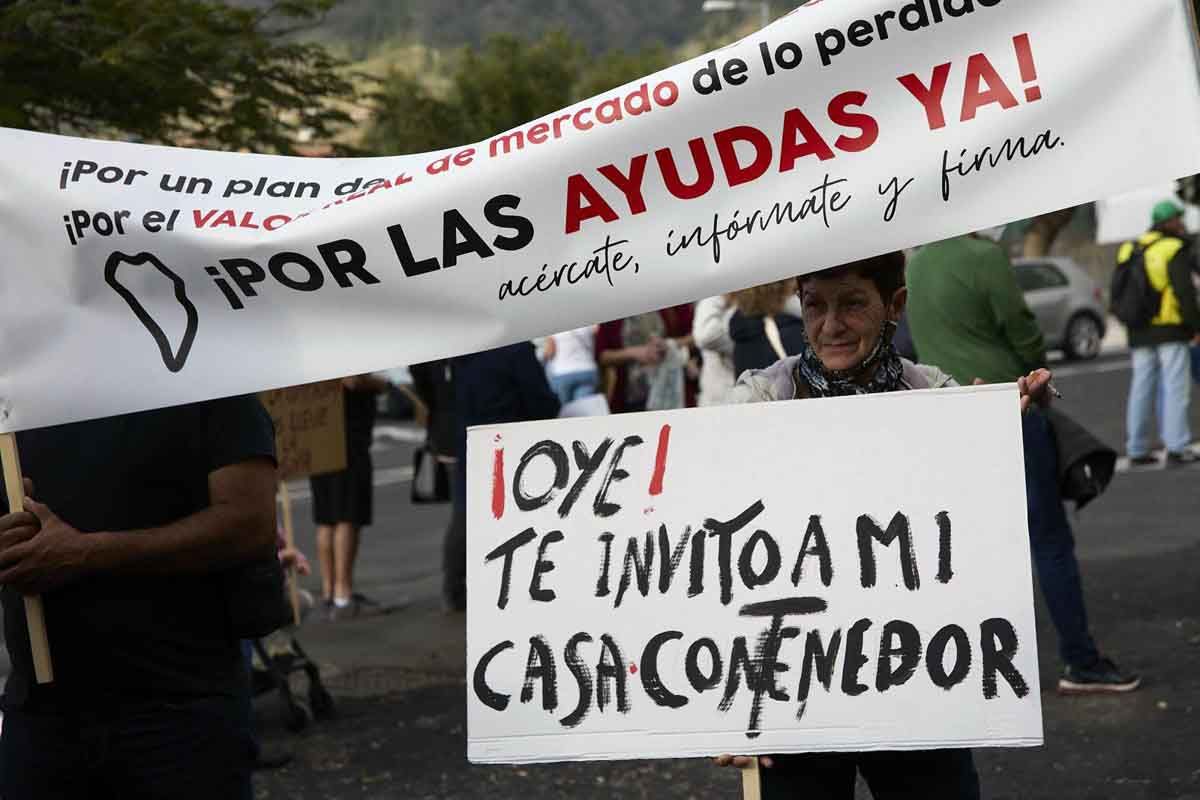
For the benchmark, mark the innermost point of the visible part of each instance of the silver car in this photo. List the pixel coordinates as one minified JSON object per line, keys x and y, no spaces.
{"x":1068,"y":304}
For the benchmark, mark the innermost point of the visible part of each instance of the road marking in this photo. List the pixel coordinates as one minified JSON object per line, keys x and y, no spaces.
{"x":400,"y":433}
{"x":1091,"y":369}
{"x":302,"y":490}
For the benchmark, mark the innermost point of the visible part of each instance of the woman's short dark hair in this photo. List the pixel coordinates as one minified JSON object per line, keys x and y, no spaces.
{"x":885,"y":271}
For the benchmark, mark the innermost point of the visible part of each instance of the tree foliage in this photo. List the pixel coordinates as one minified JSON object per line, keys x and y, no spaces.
{"x":501,"y":85}
{"x":598,"y":25}
{"x":176,"y":71}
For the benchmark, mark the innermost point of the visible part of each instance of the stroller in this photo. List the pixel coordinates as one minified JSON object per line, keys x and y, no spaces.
{"x":278,"y":657}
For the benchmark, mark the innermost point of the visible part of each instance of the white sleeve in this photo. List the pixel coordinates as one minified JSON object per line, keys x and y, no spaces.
{"x":710,"y":325}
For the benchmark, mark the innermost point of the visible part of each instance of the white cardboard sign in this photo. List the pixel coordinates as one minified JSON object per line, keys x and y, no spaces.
{"x":846,"y":574}
{"x":155,"y":276}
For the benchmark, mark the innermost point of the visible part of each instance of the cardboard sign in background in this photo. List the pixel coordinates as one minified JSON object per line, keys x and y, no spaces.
{"x":598,"y":628}
{"x":310,"y":428}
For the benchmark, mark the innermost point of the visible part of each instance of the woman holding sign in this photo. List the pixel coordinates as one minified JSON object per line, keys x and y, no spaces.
{"x":850,"y":315}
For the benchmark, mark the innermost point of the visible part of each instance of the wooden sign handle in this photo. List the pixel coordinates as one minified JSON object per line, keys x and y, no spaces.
{"x":1190,"y":10}
{"x":289,"y":536}
{"x":751,"y":782}
{"x":35,"y":616}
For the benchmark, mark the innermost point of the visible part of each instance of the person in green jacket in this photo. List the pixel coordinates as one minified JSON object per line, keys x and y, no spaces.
{"x":968,"y":316}
{"x":1161,"y":368}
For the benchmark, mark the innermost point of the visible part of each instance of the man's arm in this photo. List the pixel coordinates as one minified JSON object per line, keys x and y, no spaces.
{"x":238,"y":526}
{"x":1011,"y":312}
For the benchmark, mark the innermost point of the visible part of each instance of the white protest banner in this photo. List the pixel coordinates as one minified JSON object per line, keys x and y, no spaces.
{"x":846,"y":574}
{"x":154,"y":276}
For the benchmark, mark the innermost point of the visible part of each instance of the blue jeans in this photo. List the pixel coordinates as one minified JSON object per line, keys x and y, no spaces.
{"x":1053,"y":545}
{"x":571,"y":386}
{"x":1168,"y":365}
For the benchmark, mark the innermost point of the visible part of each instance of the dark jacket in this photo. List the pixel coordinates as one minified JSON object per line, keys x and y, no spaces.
{"x":752,"y":349}
{"x":507,"y":384}
{"x":1085,"y":464}
{"x":434,"y":384}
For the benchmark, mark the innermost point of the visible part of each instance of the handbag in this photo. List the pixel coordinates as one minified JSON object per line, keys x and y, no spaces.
{"x":431,"y":478}
{"x":1085,"y":464}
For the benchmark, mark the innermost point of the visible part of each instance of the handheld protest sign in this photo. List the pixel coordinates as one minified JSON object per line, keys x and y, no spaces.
{"x":289,"y":537}
{"x":310,"y":428}
{"x":850,"y":574}
{"x":35,"y":616}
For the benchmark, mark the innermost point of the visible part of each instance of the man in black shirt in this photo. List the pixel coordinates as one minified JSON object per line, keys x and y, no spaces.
{"x":132,"y":533}
{"x":505,"y":384}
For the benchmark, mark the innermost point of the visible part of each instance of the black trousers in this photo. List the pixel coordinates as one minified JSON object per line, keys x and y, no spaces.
{"x":196,"y":749}
{"x":454,"y":559}
{"x":910,"y":775}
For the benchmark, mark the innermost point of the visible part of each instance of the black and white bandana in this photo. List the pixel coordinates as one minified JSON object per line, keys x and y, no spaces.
{"x":822,"y":382}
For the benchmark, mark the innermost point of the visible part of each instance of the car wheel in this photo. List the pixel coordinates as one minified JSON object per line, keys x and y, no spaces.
{"x":1083,"y":337}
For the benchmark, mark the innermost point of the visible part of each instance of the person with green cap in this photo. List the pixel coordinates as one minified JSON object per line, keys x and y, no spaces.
{"x":1160,"y":349}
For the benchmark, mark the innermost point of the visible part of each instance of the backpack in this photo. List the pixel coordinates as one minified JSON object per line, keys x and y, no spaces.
{"x":1133,"y":300}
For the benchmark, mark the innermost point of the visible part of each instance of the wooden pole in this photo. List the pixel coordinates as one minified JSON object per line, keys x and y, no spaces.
{"x":35,"y":616}
{"x":1190,"y":6}
{"x":751,"y":782}
{"x":289,"y":536}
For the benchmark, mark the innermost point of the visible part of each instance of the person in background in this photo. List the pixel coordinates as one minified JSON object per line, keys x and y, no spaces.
{"x":631,"y":350}
{"x":762,"y":329}
{"x":342,"y":503}
{"x":968,"y":316}
{"x":506,"y":384}
{"x":1195,"y":348}
{"x":904,"y":341}
{"x":571,"y":364}
{"x":710,"y":333}
{"x":1160,"y":351}
{"x":433,"y":382}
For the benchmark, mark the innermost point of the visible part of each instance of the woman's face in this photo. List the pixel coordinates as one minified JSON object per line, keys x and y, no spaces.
{"x":844,"y":316}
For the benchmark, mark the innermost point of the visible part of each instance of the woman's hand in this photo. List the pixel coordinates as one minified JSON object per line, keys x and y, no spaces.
{"x":1035,"y":389}
{"x":742,"y":762}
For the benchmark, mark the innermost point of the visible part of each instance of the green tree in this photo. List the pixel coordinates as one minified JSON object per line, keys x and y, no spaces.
{"x":176,"y":71}
{"x":618,"y":67}
{"x":410,"y":119}
{"x":509,"y":82}
{"x":365,"y":25}
{"x":502,"y":85}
